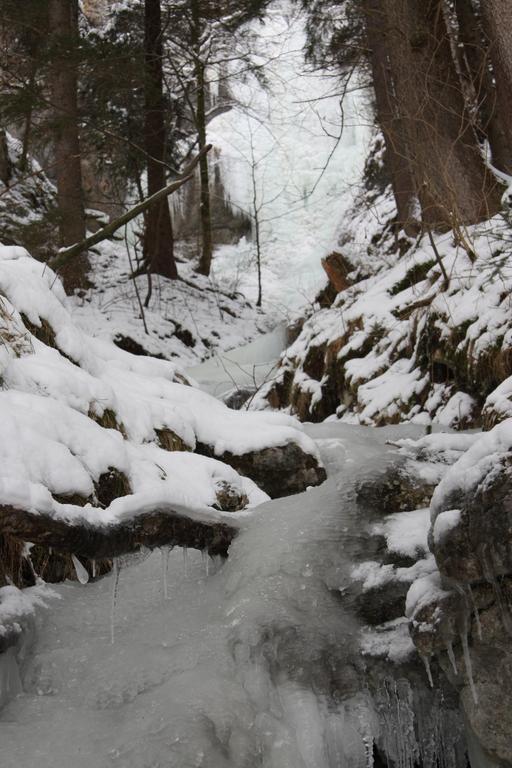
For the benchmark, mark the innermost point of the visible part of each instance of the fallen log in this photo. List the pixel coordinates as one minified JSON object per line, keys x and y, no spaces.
{"x":67,"y":254}
{"x":154,"y":529}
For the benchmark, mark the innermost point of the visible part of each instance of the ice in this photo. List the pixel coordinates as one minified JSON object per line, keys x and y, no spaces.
{"x":475,"y":612}
{"x":234,"y":668}
{"x":165,"y":552}
{"x":81,"y":572}
{"x":426,"y":662}
{"x":114,"y":598}
{"x":10,"y":681}
{"x":467,"y":662}
{"x":451,"y":656}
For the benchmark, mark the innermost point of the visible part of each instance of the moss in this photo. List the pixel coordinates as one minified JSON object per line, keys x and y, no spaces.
{"x":229,"y":499}
{"x":107,"y":420}
{"x":74,"y":498}
{"x":314,"y":362}
{"x":44,"y":332}
{"x":54,"y":567}
{"x":170,"y":441}
{"x":416,"y":274}
{"x":14,"y":566}
{"x":279,"y":395}
{"x":111,"y":485}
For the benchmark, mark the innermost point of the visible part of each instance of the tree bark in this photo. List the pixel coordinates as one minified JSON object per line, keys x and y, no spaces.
{"x":454,"y":187}
{"x":103,"y":234}
{"x":497,"y":16}
{"x":158,"y":235}
{"x":396,"y":155}
{"x":5,"y":164}
{"x":205,"y":260}
{"x":158,"y":528}
{"x":63,"y":25}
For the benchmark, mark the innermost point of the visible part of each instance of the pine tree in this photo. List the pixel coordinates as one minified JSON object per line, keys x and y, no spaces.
{"x":158,"y":235}
{"x":63,"y":88}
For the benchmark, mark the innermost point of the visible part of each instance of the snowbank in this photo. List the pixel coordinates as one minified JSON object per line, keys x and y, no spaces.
{"x":94,"y":435}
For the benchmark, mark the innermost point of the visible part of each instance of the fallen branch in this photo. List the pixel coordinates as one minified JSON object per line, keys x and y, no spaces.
{"x":153,"y":529}
{"x":67,"y":254}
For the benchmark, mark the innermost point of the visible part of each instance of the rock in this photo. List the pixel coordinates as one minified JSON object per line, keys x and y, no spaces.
{"x":279,"y":471}
{"x":395,"y":489}
{"x":479,"y":545}
{"x":237,"y":398}
{"x":152,"y":529}
{"x":337,"y":269}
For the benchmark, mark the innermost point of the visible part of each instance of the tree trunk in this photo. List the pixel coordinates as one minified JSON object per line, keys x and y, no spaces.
{"x":497,"y":15}
{"x":158,"y":235}
{"x":205,"y":260}
{"x":396,"y":156}
{"x":454,"y":187}
{"x":63,"y":23}
{"x":5,"y":163}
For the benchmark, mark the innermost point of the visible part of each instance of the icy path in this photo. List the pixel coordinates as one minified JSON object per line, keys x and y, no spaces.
{"x":236,"y":668}
{"x":246,"y":367}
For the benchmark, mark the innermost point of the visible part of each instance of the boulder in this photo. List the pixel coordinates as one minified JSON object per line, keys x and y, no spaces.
{"x":337,"y":269}
{"x":279,"y":471}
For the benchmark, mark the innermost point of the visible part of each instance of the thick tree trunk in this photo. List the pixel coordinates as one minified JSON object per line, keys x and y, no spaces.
{"x":396,"y":155}
{"x":158,"y":236}
{"x":454,"y":187}
{"x":474,"y":57}
{"x":497,"y":15}
{"x":205,"y":259}
{"x":5,"y":164}
{"x":63,"y":23}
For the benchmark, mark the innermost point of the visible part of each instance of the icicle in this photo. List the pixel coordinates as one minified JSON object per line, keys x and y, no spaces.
{"x":115,"y":586}
{"x":165,"y":551}
{"x":205,"y":559}
{"x":451,"y":656}
{"x":94,"y":569}
{"x":81,"y":572}
{"x":185,"y":560}
{"x":426,"y":662}
{"x":475,"y":612}
{"x":467,"y":663}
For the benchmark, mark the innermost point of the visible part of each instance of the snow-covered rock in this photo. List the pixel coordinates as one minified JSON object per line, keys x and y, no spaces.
{"x":94,"y":437}
{"x":397,"y":344}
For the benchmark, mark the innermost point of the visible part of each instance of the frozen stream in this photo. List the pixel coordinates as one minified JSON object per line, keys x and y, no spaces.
{"x":247,"y":663}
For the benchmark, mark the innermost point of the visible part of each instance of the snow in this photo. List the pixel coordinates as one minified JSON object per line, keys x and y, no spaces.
{"x":219,"y":669}
{"x":374,"y":575}
{"x":444,"y":523}
{"x":406,"y":533}
{"x":390,"y":641}
{"x":425,"y":591}
{"x":53,"y":398}
{"x":380,"y":326}
{"x":287,"y":133}
{"x":483,"y":459}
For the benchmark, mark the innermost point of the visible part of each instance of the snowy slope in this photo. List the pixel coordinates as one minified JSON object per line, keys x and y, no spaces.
{"x":399,"y":344}
{"x":74,"y":407}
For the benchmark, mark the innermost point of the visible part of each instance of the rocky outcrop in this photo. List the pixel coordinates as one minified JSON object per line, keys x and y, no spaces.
{"x":398,"y":344}
{"x":461,"y":615}
{"x":279,"y":471}
{"x":337,"y":268}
